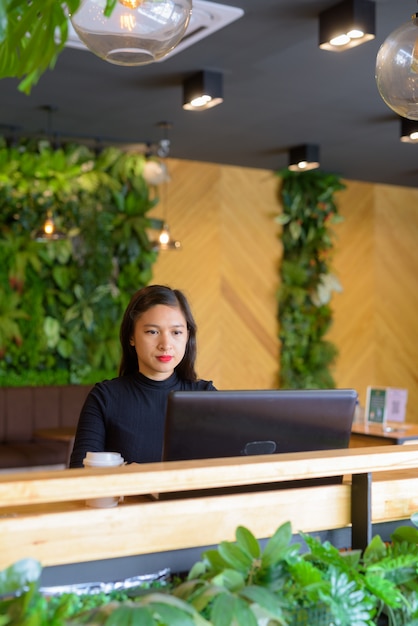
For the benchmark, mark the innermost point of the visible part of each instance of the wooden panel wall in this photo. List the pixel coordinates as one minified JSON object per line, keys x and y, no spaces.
{"x":228,"y":268}
{"x":229,"y":265}
{"x":353,"y":330}
{"x":376,"y":258}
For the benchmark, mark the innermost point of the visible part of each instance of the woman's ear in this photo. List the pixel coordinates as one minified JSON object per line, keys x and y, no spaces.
{"x":131,"y":341}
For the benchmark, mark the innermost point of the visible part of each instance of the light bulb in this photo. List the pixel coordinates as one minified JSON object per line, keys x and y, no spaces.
{"x":164,"y":237}
{"x":303,"y":166}
{"x":131,"y":4}
{"x":411,"y":138}
{"x":345,"y":38}
{"x":48,"y":231}
{"x":136,"y":33}
{"x":201,"y":101}
{"x":49,"y":226}
{"x":165,"y":242}
{"x":355,"y":34}
{"x":340,"y":40}
{"x":397,"y":70}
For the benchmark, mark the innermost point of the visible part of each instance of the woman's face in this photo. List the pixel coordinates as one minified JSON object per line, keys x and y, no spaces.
{"x":160,"y":338}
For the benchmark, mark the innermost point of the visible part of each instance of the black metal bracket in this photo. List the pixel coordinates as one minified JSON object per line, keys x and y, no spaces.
{"x":361,"y":510}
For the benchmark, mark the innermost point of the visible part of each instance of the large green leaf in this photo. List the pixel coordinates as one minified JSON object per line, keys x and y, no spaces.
{"x":384,"y":589}
{"x":247,"y":542}
{"x":349,"y":604}
{"x":230,"y":579}
{"x":266,"y":600}
{"x":277,"y":546}
{"x":223,"y":610}
{"x":234,"y":556}
{"x":16,"y":576}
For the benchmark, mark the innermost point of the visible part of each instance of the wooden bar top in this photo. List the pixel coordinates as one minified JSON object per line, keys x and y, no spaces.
{"x":43,"y":514}
{"x":139,"y":479}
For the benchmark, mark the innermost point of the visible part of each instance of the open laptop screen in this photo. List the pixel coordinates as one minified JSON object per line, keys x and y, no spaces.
{"x":214,"y":424}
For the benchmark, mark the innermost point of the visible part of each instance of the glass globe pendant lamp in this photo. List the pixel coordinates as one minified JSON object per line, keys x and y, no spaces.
{"x":397,"y":70}
{"x":136,"y":33}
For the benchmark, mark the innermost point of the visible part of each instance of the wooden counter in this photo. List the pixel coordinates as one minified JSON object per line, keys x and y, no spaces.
{"x":389,"y":434}
{"x":43,"y":514}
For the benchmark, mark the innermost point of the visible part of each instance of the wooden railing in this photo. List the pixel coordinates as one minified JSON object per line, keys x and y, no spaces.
{"x":43,"y":514}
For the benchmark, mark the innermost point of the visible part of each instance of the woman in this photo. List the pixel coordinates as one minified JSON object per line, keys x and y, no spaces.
{"x":126,"y":414}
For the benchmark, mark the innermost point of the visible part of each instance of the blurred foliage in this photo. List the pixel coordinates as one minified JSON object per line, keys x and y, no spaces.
{"x":307,"y":282}
{"x":61,"y":302}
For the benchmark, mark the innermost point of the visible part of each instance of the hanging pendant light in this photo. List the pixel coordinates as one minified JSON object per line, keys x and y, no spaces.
{"x":136,"y":33}
{"x":49,"y":230}
{"x":397,"y":70}
{"x":164,"y":241}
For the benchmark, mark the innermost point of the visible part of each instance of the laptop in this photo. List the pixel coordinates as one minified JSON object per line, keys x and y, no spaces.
{"x":216,"y":424}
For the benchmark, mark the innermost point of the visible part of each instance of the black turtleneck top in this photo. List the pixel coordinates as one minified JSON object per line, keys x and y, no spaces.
{"x":126,"y":415}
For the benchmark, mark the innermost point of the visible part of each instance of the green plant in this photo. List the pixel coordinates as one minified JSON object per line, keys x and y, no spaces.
{"x":277,"y":584}
{"x":32,"y":35}
{"x":22,"y":604}
{"x":61,"y":301}
{"x":241,"y":584}
{"x":306,"y":280}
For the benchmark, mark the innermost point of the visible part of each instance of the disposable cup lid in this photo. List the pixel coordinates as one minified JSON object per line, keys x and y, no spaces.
{"x":103,"y":459}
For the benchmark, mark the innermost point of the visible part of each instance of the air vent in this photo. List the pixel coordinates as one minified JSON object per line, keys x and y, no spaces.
{"x":207,"y":18}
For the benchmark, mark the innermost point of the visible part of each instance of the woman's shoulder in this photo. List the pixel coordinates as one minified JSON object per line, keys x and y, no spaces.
{"x":114,"y":384}
{"x":198,"y":385}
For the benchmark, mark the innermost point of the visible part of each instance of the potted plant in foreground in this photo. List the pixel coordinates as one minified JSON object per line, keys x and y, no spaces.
{"x":241,"y":584}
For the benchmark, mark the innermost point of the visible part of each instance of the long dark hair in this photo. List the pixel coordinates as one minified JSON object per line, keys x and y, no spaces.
{"x":140,"y":302}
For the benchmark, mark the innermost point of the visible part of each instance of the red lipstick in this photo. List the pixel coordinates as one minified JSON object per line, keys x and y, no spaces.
{"x":166,"y":358}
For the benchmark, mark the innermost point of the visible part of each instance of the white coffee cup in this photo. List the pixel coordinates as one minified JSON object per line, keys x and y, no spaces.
{"x":103,"y":459}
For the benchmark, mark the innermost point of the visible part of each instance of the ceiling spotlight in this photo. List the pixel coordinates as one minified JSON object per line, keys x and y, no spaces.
{"x":347,"y":24}
{"x":136,"y":32}
{"x":202,"y":91}
{"x":303,"y":158}
{"x":409,"y":130}
{"x":397,"y":70}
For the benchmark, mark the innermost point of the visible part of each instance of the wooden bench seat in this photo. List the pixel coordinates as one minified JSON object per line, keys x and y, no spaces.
{"x":24,"y":411}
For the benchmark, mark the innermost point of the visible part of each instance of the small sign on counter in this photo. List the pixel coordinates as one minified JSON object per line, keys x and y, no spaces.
{"x":386,"y":404}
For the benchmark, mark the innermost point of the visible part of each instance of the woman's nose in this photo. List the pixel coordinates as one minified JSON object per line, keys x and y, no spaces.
{"x":164,"y":342}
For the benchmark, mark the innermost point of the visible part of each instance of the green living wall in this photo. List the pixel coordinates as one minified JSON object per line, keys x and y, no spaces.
{"x":309,"y":212}
{"x":61,"y":301}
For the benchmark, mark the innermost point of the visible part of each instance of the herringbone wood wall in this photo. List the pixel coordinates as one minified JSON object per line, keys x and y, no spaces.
{"x":376,"y":322}
{"x":229,"y":268}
